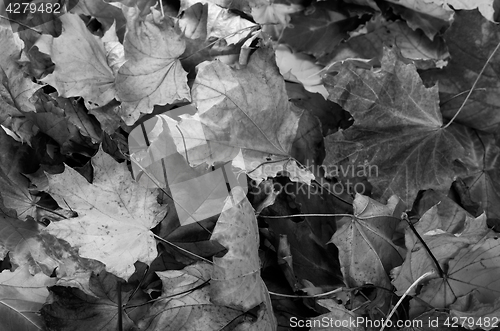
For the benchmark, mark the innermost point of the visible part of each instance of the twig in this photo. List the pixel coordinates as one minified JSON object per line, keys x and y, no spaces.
{"x":473,"y":86}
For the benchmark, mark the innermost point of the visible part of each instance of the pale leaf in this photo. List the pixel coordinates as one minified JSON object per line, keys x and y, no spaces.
{"x":152,"y":74}
{"x":81,"y":67}
{"x":242,"y":111}
{"x":21,"y":297}
{"x":115,"y":215}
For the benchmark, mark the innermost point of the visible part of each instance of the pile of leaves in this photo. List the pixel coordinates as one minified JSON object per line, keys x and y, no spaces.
{"x":245,"y":165}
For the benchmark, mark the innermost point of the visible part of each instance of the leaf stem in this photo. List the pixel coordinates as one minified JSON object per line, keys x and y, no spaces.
{"x":308,"y":215}
{"x":337,"y":290}
{"x":415,"y":283}
{"x":473,"y":86}
{"x":21,"y":24}
{"x":410,"y":224}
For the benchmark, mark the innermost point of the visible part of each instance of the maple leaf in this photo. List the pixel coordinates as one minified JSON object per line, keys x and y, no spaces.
{"x":476,"y":313}
{"x":377,"y":32}
{"x":366,"y":250}
{"x":152,"y":74}
{"x":115,"y":215}
{"x":183,"y":295}
{"x":71,"y":309}
{"x":21,"y":297}
{"x":398,"y":123}
{"x":470,"y":40}
{"x":242,"y":111}
{"x":441,"y":236}
{"x":429,"y":17}
{"x":81,"y":67}
{"x":16,"y":159}
{"x":319,"y":29}
{"x":472,"y":268}
{"x":236,"y":276}
{"x":468,"y":258}
{"x":210,"y":21}
{"x":482,"y":176}
{"x":235,"y":279}
{"x":16,"y":88}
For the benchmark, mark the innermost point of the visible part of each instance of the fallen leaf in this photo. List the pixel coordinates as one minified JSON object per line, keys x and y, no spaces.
{"x":366,"y":250}
{"x":209,"y":21}
{"x":236,"y":278}
{"x":431,"y":18}
{"x":339,"y":318}
{"x":414,"y":45}
{"x":488,"y":8}
{"x":317,"y":30}
{"x":191,"y":311}
{"x":81,"y":66}
{"x":443,"y":245}
{"x":16,"y":88}
{"x":300,"y":68}
{"x":474,"y":267}
{"x":482,"y":177}
{"x":21,"y":297}
{"x":471,"y":40}
{"x":115,"y":215}
{"x":72,"y":309}
{"x":273,"y":16}
{"x":477,"y":314}
{"x":241,"y":112}
{"x":152,"y":74}
{"x":398,"y":123}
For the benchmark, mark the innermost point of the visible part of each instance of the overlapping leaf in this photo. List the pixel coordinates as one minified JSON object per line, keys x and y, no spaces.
{"x":184,"y":296}
{"x":470,"y":40}
{"x":16,"y":88}
{"x":468,"y":257}
{"x":208,"y":21}
{"x":198,"y":193}
{"x":236,"y":278}
{"x":21,"y":297}
{"x":318,"y":30}
{"x":366,"y":250}
{"x":398,"y":123}
{"x":378,"y":32}
{"x":71,"y":309}
{"x":153,"y":74}
{"x":81,"y":64}
{"x":482,"y":176}
{"x":115,"y":215}
{"x":242,"y":111}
